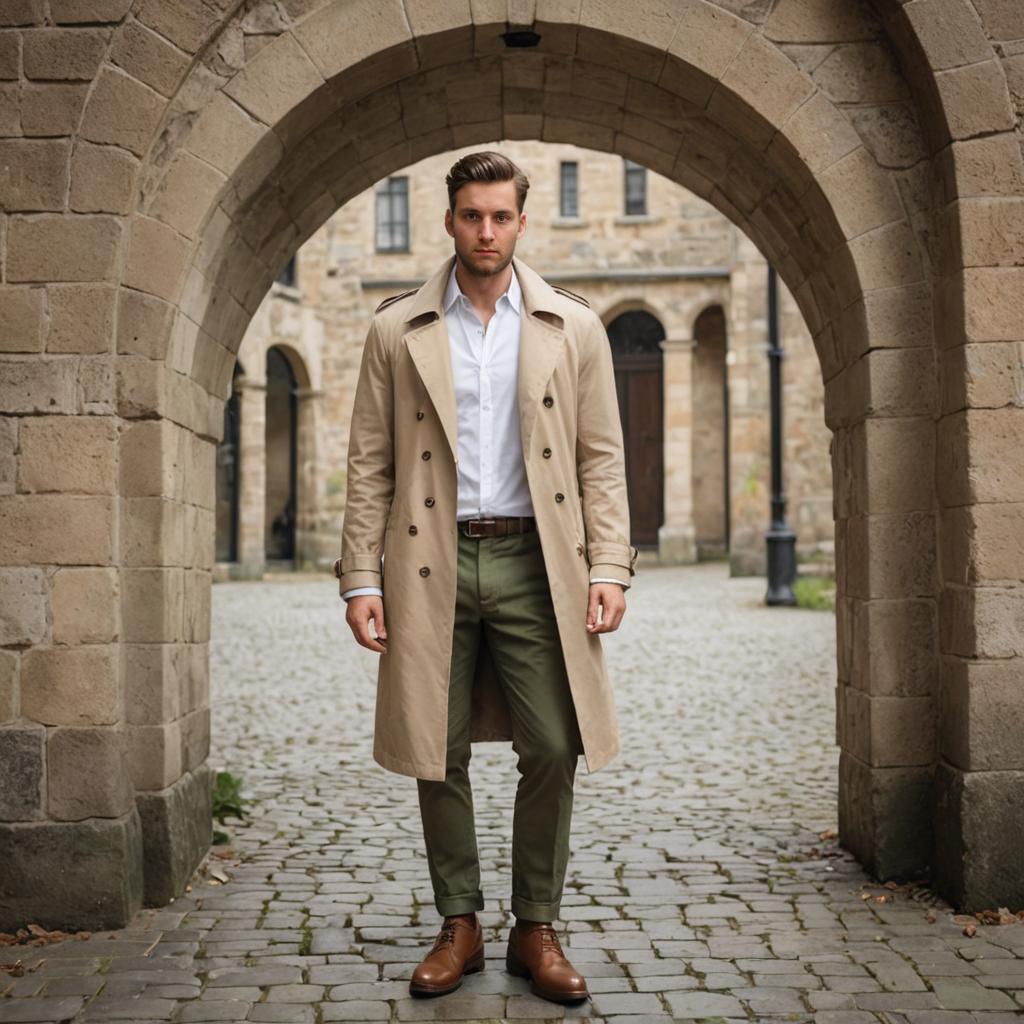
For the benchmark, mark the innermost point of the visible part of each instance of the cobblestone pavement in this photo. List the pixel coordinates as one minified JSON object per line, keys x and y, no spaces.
{"x":699,"y":887}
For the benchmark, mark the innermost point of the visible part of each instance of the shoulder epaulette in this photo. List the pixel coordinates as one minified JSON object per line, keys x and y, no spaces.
{"x":394,"y":298}
{"x":570,"y":295}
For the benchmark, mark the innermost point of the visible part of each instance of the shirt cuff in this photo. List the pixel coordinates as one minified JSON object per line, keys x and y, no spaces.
{"x":356,"y":591}
{"x":608,"y":579}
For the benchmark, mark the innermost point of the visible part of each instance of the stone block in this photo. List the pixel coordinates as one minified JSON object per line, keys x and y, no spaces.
{"x":148,"y":57}
{"x":196,"y":628}
{"x":69,"y":454}
{"x":75,"y":12}
{"x":950,"y":35}
{"x":141,"y":388}
{"x":184,"y":23}
{"x":157,"y":258}
{"x":52,"y":54}
{"x":71,"y":875}
{"x":892,"y":461}
{"x":152,"y":605}
{"x":983,"y":544}
{"x":891,"y":556}
{"x":885,"y":817}
{"x":87,"y":774}
{"x":277,"y":79}
{"x":8,"y":460}
{"x":52,"y":108}
{"x":56,"y":529}
{"x":863,"y":195}
{"x":143,"y":324}
{"x":194,"y":677}
{"x":978,"y":456}
{"x":894,"y":644}
{"x":224,"y":134}
{"x":10,"y":57}
{"x":21,"y":319}
{"x":887,"y":254}
{"x":980,"y":711}
{"x":53,"y":247}
{"x":23,"y":607}
{"x":22,"y":752}
{"x":22,"y":12}
{"x":81,"y":318}
{"x":975,"y":100}
{"x":810,"y":21}
{"x":71,"y":685}
{"x":152,"y":454}
{"x":990,"y":166}
{"x":989,"y":230}
{"x":152,"y":680}
{"x":9,"y":666}
{"x":195,"y":738}
{"x":987,"y":375}
{"x":979,"y":821}
{"x":154,"y":755}
{"x":187,"y":193}
{"x":122,"y":112}
{"x":983,"y":622}
{"x":177,"y":832}
{"x":153,"y":532}
{"x":35,"y":174}
{"x":85,"y":606}
{"x":102,"y":179}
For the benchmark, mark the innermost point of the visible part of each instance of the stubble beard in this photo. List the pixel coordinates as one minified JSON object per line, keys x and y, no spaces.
{"x":483,"y":270}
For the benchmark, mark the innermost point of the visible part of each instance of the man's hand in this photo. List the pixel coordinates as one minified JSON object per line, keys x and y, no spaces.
{"x":360,"y":611}
{"x":612,"y":600}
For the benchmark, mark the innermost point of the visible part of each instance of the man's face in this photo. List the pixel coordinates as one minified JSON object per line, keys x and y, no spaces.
{"x":485,"y":225}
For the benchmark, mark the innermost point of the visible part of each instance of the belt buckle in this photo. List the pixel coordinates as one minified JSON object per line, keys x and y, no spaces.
{"x":469,"y":526}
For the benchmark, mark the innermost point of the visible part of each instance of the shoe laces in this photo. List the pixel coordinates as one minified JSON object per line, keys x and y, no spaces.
{"x":549,"y":939}
{"x":446,"y":937}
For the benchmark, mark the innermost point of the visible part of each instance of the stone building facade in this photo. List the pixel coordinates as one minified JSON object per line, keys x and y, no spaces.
{"x":163,"y":161}
{"x":682,"y":293}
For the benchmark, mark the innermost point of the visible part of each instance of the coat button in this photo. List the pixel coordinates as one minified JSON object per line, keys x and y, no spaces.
{"x":413,"y":530}
{"x":559,"y":496}
{"x":425,"y":456}
{"x":549,"y":401}
{"x":429,"y":502}
{"x":424,"y":570}
{"x":419,"y":414}
{"x":579,"y":549}
{"x":546,"y":453}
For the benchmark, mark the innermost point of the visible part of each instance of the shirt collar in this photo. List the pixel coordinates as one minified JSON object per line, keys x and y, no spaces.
{"x":453,"y":292}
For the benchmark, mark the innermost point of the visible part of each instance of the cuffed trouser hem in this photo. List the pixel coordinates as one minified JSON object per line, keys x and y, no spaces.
{"x":532,"y":911}
{"x":448,"y":906}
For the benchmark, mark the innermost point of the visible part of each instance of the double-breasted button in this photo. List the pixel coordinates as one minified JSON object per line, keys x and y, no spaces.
{"x":413,"y":530}
{"x":559,"y":496}
{"x":429,"y":502}
{"x":425,"y":456}
{"x":579,"y":549}
{"x":546,"y":453}
{"x":424,"y":570}
{"x":549,"y":401}
{"x":419,"y":414}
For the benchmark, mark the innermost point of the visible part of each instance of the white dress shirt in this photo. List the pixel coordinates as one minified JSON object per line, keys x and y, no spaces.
{"x":491,"y":471}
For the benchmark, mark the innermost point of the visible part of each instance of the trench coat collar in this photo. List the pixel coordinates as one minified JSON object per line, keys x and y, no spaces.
{"x":541,"y":337}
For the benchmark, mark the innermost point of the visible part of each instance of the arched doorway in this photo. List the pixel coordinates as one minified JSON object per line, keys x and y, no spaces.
{"x":710,"y":464}
{"x":228,"y":475}
{"x":636,"y":337}
{"x":281,"y":447}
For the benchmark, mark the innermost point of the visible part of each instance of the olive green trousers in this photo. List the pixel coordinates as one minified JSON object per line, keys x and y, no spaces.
{"x":503,"y":596}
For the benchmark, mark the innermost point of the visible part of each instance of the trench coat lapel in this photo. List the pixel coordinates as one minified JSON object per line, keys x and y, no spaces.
{"x":540,"y":345}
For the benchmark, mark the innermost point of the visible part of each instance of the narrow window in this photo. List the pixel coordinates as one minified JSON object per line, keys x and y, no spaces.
{"x":393,"y":215}
{"x":636,"y":187}
{"x":569,"y":191}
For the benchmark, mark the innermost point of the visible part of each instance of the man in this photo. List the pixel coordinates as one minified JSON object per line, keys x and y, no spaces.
{"x":486,"y":539}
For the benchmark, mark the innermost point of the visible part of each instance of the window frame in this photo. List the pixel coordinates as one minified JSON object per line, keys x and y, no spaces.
{"x":391,"y":233}
{"x":632,"y":171}
{"x":563,"y":182}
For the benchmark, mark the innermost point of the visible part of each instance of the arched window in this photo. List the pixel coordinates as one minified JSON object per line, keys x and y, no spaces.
{"x":635,"y":332}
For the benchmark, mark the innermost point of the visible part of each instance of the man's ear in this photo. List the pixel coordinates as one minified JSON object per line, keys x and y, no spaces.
{"x":522,"y":225}
{"x":448,"y":222}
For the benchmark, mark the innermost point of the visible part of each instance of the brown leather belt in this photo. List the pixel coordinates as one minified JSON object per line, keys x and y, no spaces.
{"x":497,"y":526}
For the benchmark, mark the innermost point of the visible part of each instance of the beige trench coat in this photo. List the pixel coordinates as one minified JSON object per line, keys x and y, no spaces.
{"x":572,"y":444}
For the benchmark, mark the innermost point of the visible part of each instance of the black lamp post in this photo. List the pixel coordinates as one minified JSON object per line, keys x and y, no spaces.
{"x":780,"y":537}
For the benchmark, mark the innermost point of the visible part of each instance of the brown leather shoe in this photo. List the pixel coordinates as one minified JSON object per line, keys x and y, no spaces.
{"x":458,"y":950}
{"x":534,"y":952}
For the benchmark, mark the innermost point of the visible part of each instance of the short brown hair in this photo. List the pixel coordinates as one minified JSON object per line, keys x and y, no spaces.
{"x":486,"y":165}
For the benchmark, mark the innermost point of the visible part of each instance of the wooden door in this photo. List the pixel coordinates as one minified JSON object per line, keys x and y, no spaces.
{"x":636,"y":353}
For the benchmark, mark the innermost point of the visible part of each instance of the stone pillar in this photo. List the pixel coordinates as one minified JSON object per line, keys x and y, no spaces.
{"x":252,"y":475}
{"x":677,"y":537}
{"x":308,"y":489}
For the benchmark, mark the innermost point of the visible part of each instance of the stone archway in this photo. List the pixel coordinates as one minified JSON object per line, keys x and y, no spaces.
{"x":711,"y":504}
{"x":139,"y":244}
